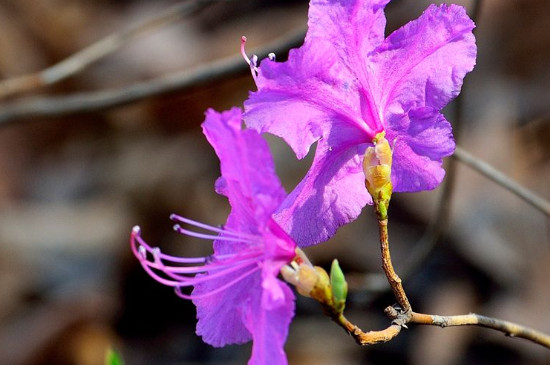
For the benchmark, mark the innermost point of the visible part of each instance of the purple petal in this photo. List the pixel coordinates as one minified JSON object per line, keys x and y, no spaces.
{"x":424,"y":137}
{"x":424,"y":62}
{"x":269,"y":328}
{"x":248,"y":173}
{"x":298,"y":100}
{"x":220,"y":316}
{"x":352,"y":28}
{"x":346,"y":79}
{"x":258,"y":308}
{"x":330,"y":195}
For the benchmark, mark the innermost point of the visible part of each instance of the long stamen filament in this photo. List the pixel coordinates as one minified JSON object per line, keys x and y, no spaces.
{"x":141,"y":248}
{"x":137,"y":241}
{"x":222,"y":237}
{"x":172,"y":272}
{"x":186,"y":276}
{"x":251,"y":62}
{"x":215,"y":266}
{"x":219,"y":289}
{"x":207,"y":227}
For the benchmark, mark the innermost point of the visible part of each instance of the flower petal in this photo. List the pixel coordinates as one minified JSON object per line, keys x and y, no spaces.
{"x":248,"y":172}
{"x":299,"y":99}
{"x":353,"y":28}
{"x":220,"y":316}
{"x":423,"y":138}
{"x":330,"y":195}
{"x":269,"y":328}
{"x":424,"y":62}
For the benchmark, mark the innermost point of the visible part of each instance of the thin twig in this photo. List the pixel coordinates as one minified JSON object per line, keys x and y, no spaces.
{"x":509,"y":328}
{"x":82,"y":59}
{"x":393,"y":279}
{"x":103,"y":100}
{"x":362,"y":338}
{"x":371,"y":337}
{"x":401,"y":319}
{"x":498,"y":177}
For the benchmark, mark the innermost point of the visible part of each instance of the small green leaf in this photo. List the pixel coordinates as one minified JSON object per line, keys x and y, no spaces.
{"x":112,"y":357}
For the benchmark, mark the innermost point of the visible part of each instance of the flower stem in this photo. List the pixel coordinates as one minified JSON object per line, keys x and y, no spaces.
{"x":393,"y":279}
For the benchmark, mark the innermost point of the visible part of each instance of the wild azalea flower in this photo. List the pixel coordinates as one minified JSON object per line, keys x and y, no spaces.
{"x":236,"y":290}
{"x":345,"y":87}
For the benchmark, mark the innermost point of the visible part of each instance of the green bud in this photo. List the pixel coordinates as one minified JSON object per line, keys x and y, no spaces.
{"x":339,"y":287}
{"x":112,"y":357}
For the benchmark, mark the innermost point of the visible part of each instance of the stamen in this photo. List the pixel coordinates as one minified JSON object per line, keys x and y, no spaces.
{"x":253,"y":63}
{"x":271,"y":56}
{"x":184,"y":281}
{"x":207,"y":227}
{"x":215,"y":266}
{"x":159,"y":278}
{"x":184,"y":231}
{"x":191,"y":281}
{"x":143,"y":252}
{"x":156,"y":256}
{"x":222,"y":265}
{"x":243,"y":52}
{"x":139,"y":245}
{"x":180,"y":272}
{"x":217,"y":290}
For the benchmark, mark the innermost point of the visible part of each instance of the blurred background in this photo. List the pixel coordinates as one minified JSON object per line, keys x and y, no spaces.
{"x":73,"y":185}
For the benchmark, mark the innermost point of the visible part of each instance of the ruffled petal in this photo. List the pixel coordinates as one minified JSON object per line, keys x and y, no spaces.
{"x":248,"y":172}
{"x":424,"y":62}
{"x":220,"y":316}
{"x":269,"y":328}
{"x":422,"y":139}
{"x":351,"y":28}
{"x":298,"y":100}
{"x":331,"y":194}
{"x":240,"y":312}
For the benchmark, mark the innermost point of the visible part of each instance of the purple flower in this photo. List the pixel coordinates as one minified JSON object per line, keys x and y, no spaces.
{"x":236,"y":290}
{"x":348,"y":83}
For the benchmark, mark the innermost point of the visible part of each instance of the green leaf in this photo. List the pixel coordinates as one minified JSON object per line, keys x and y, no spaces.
{"x":112,"y":357}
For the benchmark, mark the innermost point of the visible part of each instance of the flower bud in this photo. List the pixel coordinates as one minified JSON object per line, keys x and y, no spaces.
{"x":303,"y":277}
{"x":309,"y":281}
{"x":377,"y":163}
{"x":339,"y":287}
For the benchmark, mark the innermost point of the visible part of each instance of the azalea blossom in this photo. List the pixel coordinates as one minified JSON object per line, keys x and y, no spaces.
{"x":236,"y":290}
{"x":348,"y":84}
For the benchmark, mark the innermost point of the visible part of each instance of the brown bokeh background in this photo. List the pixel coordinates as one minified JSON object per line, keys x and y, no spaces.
{"x":72,"y":187}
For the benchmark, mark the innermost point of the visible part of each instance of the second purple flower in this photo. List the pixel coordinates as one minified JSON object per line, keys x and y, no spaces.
{"x":347,"y":84}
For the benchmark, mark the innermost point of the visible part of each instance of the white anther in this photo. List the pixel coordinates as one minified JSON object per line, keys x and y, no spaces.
{"x":142,"y":252}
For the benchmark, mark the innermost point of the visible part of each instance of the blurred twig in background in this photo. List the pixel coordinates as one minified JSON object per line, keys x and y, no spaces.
{"x":82,"y":59}
{"x":501,"y":179}
{"x":105,"y":99}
